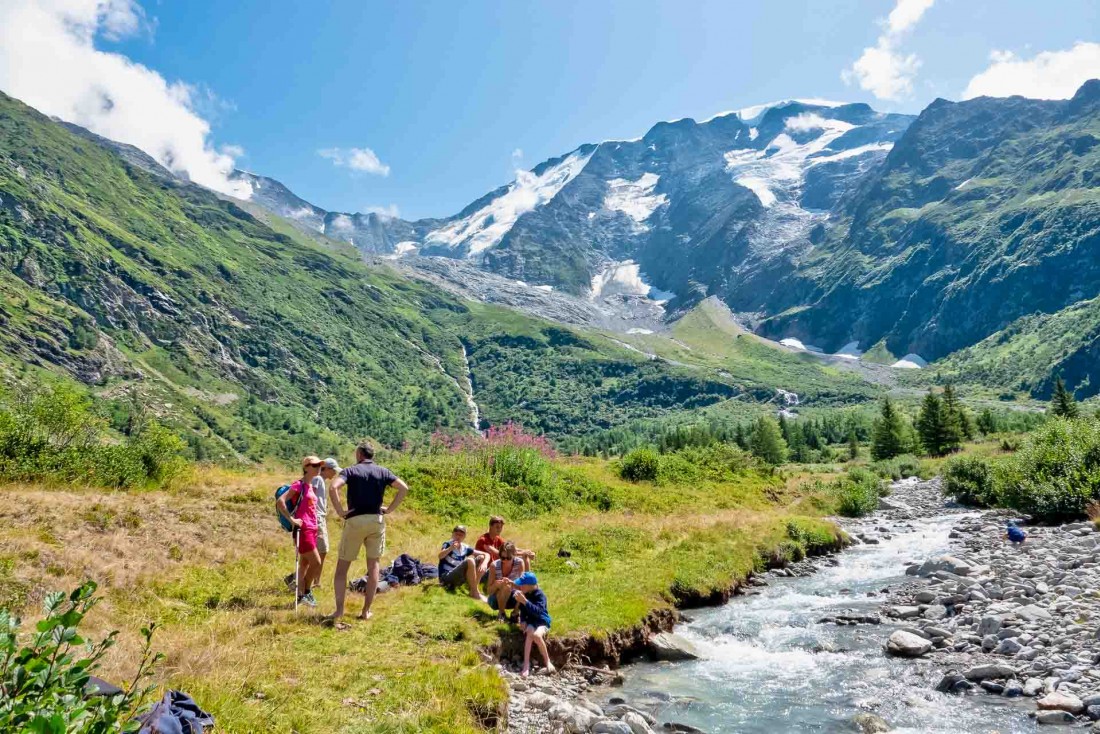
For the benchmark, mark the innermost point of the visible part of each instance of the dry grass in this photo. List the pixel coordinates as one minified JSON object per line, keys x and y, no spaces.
{"x":205,"y":561}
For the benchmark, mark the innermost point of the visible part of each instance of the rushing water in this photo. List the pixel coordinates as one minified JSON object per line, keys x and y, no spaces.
{"x":770,"y":667}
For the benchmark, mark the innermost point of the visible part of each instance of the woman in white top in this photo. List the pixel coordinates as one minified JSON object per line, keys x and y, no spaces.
{"x":502,"y":573}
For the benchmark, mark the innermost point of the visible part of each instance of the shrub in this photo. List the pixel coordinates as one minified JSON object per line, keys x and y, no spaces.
{"x":857,"y":494}
{"x":43,"y":681}
{"x":898,"y":467}
{"x":1056,"y":473}
{"x":970,"y":480}
{"x":641,"y":464}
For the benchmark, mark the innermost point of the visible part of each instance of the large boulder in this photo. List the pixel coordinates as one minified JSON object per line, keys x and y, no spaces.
{"x":907,"y":645}
{"x":672,"y":647}
{"x":1032,"y":613}
{"x":637,"y":724}
{"x":1059,"y":701}
{"x":870,"y":723}
{"x":950,"y":564}
{"x":610,"y":726}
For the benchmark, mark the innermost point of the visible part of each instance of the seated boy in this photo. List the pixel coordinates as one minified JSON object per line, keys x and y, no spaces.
{"x":460,"y":564}
{"x":534,"y":620}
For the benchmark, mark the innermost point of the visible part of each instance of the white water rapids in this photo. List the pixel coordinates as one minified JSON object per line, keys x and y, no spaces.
{"x":771,"y":667}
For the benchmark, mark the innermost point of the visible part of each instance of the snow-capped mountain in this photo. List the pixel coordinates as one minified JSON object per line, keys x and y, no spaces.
{"x":687,"y":209}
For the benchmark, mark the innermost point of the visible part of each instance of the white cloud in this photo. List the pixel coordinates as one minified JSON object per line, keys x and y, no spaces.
{"x":805,"y":122}
{"x":1048,"y":75}
{"x":883,"y":69}
{"x":357,"y":159}
{"x":48,"y":59}
{"x":517,"y":156}
{"x":385,"y":212}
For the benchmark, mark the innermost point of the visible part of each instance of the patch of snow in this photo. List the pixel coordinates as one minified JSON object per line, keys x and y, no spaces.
{"x":911,"y":362}
{"x":849,"y":351}
{"x":812,"y":121}
{"x":851,"y":153}
{"x":759,"y":187}
{"x":750,"y":115}
{"x":753,"y":133}
{"x":639,"y":331}
{"x":405,"y":247}
{"x":625,"y":278}
{"x":634,"y":198}
{"x":487,"y":226}
{"x":794,"y":343}
{"x":962,"y":186}
{"x":543,"y":288}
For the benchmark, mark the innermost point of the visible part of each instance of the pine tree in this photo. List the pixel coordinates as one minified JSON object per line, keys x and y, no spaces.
{"x":740,"y":438}
{"x":931,"y":425}
{"x":767,"y":442}
{"x":954,"y":421}
{"x":853,"y":445}
{"x":1062,"y":404}
{"x":987,"y":423}
{"x":888,"y":439}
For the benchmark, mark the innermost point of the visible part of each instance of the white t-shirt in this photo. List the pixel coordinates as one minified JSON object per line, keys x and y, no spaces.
{"x":321,"y":491}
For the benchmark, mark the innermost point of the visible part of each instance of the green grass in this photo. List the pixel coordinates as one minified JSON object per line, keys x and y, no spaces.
{"x":205,"y":561}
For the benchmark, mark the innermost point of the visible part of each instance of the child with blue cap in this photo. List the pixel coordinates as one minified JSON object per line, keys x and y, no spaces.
{"x":534,"y":620}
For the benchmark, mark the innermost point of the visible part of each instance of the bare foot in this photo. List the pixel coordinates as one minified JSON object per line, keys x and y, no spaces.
{"x":550,"y":669}
{"x":365,"y":616}
{"x":525,"y":672}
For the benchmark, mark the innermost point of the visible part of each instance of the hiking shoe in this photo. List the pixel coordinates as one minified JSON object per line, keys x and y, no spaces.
{"x":307,"y":599}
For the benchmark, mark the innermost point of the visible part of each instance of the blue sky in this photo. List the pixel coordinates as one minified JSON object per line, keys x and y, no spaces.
{"x":445,"y":93}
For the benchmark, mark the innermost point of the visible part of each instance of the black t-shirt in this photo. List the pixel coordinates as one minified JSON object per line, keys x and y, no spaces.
{"x":367,"y":484}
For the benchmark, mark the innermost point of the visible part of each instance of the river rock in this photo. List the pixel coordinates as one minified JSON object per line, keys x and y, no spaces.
{"x":1032,"y":613}
{"x":1059,"y":701}
{"x":671,"y":646}
{"x":870,"y":723}
{"x":610,"y":726}
{"x":1054,"y":717}
{"x":1033,"y":687}
{"x":541,"y":701}
{"x":984,"y":672}
{"x":1008,"y":646}
{"x":907,"y":645}
{"x":989,"y":626}
{"x":637,"y":724}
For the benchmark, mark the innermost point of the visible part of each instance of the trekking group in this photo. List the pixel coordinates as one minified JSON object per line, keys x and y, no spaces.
{"x":504,"y":570}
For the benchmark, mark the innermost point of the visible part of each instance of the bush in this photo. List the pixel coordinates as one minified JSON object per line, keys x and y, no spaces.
{"x":56,"y":434}
{"x":898,"y":467}
{"x":857,"y":494}
{"x":970,"y":480}
{"x":641,"y":464}
{"x":43,"y":681}
{"x":1056,"y":473}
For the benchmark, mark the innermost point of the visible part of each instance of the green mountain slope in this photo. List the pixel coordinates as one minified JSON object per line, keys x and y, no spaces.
{"x":985,"y":211}
{"x":258,"y":339}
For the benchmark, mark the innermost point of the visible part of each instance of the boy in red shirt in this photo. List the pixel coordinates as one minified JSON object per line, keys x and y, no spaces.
{"x":492,"y":541}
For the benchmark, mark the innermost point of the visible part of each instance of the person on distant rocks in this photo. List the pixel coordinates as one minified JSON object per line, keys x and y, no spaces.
{"x":1015,"y":535}
{"x":534,"y":620}
{"x":304,"y":521}
{"x":460,"y":564}
{"x":502,"y":574}
{"x":364,"y":522}
{"x":492,"y":541}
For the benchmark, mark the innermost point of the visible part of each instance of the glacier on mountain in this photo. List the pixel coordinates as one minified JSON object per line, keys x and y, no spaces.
{"x":634,"y":198}
{"x":488,"y":225}
{"x":625,"y":278}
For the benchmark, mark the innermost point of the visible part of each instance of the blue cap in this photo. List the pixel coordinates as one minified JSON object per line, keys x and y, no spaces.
{"x":527,"y":579}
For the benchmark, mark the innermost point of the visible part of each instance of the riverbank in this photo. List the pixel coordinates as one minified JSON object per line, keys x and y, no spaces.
{"x":1010,"y":621}
{"x":802,"y":650}
{"x":205,"y":561}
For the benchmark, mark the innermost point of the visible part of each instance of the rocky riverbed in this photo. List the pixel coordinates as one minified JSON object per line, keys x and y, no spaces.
{"x":1010,"y":621}
{"x":932,"y":622}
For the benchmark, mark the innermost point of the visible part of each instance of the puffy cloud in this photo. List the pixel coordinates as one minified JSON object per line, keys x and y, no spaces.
{"x":1047,"y":75}
{"x":385,"y":212}
{"x":357,"y":159}
{"x":883,"y":69}
{"x":805,"y":122}
{"x":49,"y":60}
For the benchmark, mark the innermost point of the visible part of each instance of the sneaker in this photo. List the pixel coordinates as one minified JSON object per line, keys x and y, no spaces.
{"x":290,"y":581}
{"x":307,"y":599}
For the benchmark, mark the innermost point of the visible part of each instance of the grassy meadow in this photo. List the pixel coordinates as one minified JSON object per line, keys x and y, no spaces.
{"x":204,"y":557}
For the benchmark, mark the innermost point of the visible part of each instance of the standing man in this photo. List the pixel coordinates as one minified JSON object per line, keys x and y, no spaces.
{"x":364,"y":521}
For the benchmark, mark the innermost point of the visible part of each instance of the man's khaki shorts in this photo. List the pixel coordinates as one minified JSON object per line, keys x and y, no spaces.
{"x":360,"y":531}
{"x":322,"y":535}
